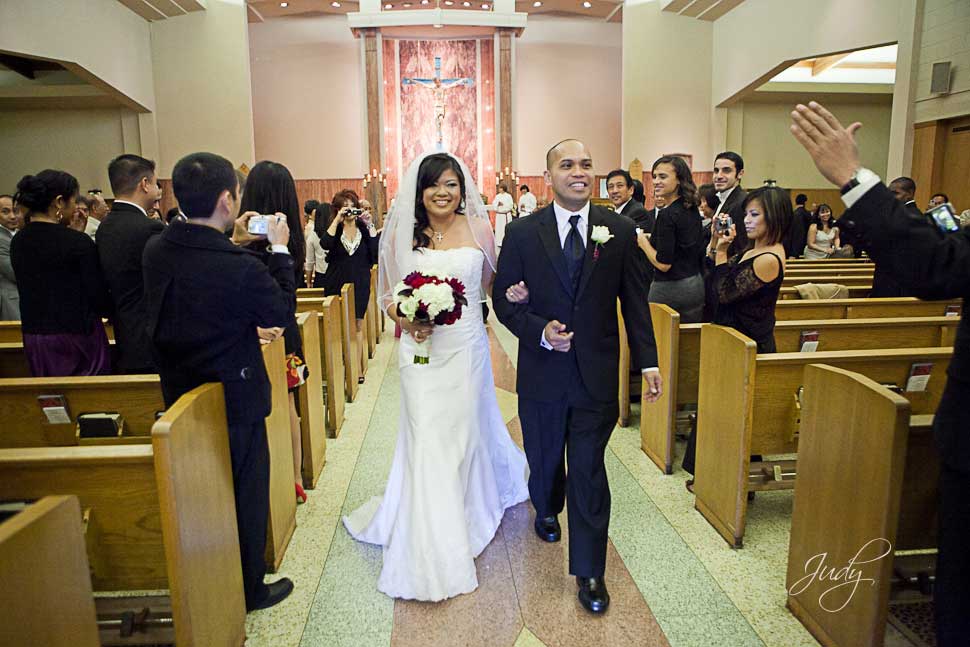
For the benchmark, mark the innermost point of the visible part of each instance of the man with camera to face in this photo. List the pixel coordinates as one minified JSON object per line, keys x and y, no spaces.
{"x":205,"y":296}
{"x":930,"y":261}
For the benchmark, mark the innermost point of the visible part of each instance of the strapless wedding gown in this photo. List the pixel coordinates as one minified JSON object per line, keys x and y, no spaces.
{"x":455,"y":468}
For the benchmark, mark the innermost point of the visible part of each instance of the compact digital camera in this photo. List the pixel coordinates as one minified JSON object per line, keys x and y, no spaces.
{"x":723,"y":226}
{"x":944,"y":217}
{"x":353,"y":212}
{"x":259,"y":225}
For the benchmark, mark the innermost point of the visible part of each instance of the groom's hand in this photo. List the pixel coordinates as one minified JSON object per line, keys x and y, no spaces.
{"x":557,"y":337}
{"x":652,"y":387}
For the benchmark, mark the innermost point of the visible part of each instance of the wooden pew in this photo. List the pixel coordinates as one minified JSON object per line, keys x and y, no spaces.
{"x":13,"y":360}
{"x":313,"y":416}
{"x":351,"y":346}
{"x":282,"y":494}
{"x":848,"y":281}
{"x":138,"y":398}
{"x":865,"y":308}
{"x":747,"y":404}
{"x":679,"y":353}
{"x":829,"y":261}
{"x":855,"y":291}
{"x":332,"y":359}
{"x":859,"y":439}
{"x":865,"y":270}
{"x":373,"y":326}
{"x":146,"y":507}
{"x":44,"y":569}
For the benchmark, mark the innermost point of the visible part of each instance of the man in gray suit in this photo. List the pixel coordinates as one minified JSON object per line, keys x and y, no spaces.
{"x":10,"y":222}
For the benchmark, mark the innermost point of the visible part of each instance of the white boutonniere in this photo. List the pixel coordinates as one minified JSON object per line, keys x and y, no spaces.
{"x":600,"y":235}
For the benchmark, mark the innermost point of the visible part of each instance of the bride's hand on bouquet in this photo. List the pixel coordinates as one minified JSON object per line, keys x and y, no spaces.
{"x":517,"y":294}
{"x":421,"y":332}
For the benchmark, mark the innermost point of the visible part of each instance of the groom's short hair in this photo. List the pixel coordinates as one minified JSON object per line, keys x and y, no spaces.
{"x":551,"y":151}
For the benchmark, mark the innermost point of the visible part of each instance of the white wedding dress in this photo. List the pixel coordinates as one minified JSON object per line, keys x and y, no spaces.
{"x":455,"y":468}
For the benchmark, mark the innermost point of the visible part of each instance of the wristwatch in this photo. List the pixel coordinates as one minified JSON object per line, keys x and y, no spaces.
{"x":861,"y":175}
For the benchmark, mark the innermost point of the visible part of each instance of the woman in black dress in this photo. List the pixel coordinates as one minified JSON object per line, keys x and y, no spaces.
{"x":63,"y":294}
{"x":270,"y":190}
{"x":351,"y":244}
{"x":744,"y":289}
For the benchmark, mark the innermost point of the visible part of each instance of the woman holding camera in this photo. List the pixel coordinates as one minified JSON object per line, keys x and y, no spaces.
{"x":270,"y":189}
{"x":351,"y":245}
{"x":823,"y":235}
{"x":745,"y":288}
{"x":675,"y":247}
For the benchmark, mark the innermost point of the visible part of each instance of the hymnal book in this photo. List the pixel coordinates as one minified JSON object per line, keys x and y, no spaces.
{"x":808,"y":341}
{"x":54,"y":408}
{"x":952,"y":310}
{"x":919,"y":376}
{"x":99,"y":425}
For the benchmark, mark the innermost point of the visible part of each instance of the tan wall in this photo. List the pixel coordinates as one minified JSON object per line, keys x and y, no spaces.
{"x":108,"y":40}
{"x":568,"y":83}
{"x":666,"y":86}
{"x":307,"y":96}
{"x":202,"y":85}
{"x":946,"y":24}
{"x":81,"y":142}
{"x":769,"y":150}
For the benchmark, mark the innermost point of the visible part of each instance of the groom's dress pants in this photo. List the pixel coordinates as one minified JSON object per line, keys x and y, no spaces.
{"x":576,"y":429}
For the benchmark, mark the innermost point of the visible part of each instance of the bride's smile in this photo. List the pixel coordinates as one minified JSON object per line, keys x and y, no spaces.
{"x":443,"y":198}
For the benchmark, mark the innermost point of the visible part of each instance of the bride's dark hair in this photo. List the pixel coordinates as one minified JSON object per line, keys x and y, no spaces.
{"x":428,"y":173}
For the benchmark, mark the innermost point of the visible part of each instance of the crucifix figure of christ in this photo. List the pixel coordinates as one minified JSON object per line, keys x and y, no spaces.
{"x":438,"y":85}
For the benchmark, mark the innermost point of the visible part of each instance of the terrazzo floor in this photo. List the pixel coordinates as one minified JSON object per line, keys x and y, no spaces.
{"x":672,"y":579}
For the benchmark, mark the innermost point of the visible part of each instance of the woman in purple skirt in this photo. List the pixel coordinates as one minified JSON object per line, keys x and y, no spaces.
{"x":63,"y":294}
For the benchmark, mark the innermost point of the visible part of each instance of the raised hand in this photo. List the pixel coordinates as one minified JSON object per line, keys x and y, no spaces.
{"x":832,"y":147}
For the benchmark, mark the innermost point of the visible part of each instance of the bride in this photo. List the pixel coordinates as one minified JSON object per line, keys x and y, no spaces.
{"x":455,"y":468}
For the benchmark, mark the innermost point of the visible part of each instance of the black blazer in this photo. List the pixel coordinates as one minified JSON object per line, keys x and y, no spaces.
{"x":929,"y":265}
{"x":121,"y":240}
{"x":532,"y":252}
{"x":204,"y":298}
{"x":735,"y":208}
{"x":641,"y":217}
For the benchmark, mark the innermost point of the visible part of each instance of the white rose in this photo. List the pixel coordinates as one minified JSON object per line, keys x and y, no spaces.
{"x":408,"y":307}
{"x":439,"y":298}
{"x":601,"y":234}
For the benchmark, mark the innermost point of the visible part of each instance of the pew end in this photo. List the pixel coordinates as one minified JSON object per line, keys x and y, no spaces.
{"x":282,"y":494}
{"x":313,"y":418}
{"x":657,"y":419}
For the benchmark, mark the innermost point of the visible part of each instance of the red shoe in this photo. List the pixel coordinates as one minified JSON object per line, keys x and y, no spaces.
{"x":300,"y":494}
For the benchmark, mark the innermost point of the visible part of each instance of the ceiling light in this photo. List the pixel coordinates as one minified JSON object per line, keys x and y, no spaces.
{"x":484,"y":6}
{"x":284,"y":4}
{"x":466,"y":4}
{"x":537,"y":4}
{"x":587,"y":4}
{"x":335,"y":5}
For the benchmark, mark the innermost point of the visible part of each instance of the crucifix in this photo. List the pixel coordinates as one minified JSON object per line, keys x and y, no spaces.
{"x":438,"y":85}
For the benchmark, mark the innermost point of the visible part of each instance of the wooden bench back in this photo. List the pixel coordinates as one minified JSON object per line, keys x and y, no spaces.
{"x":313,"y":415}
{"x":865,"y":478}
{"x":747,"y":405}
{"x":855,"y":291}
{"x":44,"y":569}
{"x":138,"y":398}
{"x":282,"y":495}
{"x":867,"y":270}
{"x":867,"y":308}
{"x":333,"y":360}
{"x":850,"y":281}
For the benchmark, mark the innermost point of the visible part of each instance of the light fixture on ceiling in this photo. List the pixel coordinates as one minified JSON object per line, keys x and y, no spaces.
{"x":587,"y":4}
{"x":537,"y":4}
{"x":485,"y":6}
{"x":335,"y":5}
{"x":284,"y":4}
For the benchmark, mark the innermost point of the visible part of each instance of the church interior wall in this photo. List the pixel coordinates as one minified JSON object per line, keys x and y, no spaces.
{"x":568,"y":83}
{"x":945,"y":36}
{"x":307,"y":91}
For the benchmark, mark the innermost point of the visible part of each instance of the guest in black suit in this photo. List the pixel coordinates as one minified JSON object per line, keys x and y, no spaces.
{"x":351,"y":243}
{"x":568,"y":354}
{"x":62,"y":292}
{"x":931,"y":266}
{"x":204,"y":298}
{"x":728,"y":171}
{"x":121,"y":240}
{"x":884,"y":282}
{"x":798,"y":233}
{"x":619,"y":184}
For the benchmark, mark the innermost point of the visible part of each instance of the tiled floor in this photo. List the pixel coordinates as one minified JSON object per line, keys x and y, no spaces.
{"x":673,"y":580}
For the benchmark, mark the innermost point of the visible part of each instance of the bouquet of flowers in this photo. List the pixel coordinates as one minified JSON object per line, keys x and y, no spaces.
{"x":429,"y":298}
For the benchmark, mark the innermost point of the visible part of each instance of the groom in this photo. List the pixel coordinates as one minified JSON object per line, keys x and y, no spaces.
{"x":577,"y":259}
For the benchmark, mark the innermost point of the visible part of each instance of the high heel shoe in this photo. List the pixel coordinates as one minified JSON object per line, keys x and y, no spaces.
{"x":300,"y":493}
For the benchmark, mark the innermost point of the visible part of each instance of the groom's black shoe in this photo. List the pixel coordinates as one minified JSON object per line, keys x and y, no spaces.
{"x":277,"y":592}
{"x":593,"y":594}
{"x":548,"y":529}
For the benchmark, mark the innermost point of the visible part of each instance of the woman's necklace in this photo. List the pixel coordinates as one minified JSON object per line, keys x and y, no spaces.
{"x":439,"y":236}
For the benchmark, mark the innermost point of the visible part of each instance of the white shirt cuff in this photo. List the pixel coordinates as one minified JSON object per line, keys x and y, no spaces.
{"x":870,"y":180}
{"x":279,"y":249}
{"x":543,"y":342}
{"x":652,"y":368}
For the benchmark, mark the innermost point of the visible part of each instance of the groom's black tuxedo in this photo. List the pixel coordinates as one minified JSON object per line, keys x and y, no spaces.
{"x":568,"y":401}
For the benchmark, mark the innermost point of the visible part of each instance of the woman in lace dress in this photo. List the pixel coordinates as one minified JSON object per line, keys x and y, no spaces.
{"x":745,"y":287}
{"x":455,"y":469}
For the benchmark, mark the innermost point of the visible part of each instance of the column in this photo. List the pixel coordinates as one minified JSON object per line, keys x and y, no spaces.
{"x":505,"y":37}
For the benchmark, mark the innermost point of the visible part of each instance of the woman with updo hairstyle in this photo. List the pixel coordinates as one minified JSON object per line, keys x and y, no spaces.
{"x":674,"y":249}
{"x":351,"y":245}
{"x":63,"y":295}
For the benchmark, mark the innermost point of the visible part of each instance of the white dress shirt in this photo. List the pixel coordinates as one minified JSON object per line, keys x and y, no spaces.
{"x":527,"y":203}
{"x":723,"y":196}
{"x":91,"y":229}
